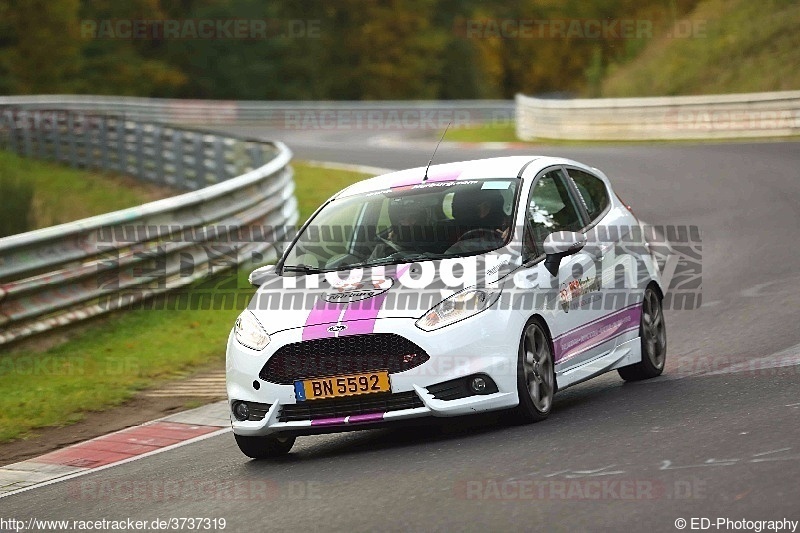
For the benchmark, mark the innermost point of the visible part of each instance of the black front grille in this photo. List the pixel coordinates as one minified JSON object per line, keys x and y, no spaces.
{"x":257,"y":410}
{"x":361,"y":405}
{"x":337,"y":356}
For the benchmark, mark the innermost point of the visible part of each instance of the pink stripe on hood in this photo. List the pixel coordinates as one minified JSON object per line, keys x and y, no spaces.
{"x":360,"y":316}
{"x":320,"y":318}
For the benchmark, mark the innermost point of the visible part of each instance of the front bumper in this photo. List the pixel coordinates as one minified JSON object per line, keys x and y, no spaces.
{"x":484,"y":344}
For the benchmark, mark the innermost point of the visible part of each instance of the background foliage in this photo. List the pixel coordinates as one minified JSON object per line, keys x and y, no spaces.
{"x":357,"y":50}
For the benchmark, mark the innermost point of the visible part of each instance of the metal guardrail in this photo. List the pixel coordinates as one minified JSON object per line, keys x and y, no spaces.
{"x":728,"y":116}
{"x":242,"y":199}
{"x":278,"y":114}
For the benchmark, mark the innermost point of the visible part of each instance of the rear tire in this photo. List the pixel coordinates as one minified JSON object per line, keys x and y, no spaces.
{"x":653,"y":336}
{"x":264,"y":447}
{"x":536,"y":382}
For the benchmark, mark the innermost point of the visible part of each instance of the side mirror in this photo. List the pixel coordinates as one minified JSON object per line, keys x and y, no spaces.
{"x":560,"y":244}
{"x":258,"y":276}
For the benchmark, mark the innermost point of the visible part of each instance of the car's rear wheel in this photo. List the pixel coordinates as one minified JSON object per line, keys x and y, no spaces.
{"x":264,"y":447}
{"x":653,"y":335}
{"x":536,"y":382}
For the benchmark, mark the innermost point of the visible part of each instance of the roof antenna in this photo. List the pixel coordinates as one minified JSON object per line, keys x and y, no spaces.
{"x":425,"y":178}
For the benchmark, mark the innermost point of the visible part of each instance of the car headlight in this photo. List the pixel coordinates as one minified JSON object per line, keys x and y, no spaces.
{"x":249,"y":332}
{"x":457,"y":307}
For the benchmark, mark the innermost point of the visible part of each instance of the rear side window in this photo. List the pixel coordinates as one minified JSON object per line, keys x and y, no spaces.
{"x":593,"y":191}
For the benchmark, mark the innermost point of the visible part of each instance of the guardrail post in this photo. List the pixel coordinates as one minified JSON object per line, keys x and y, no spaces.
{"x":45,"y":124}
{"x":199,"y":161}
{"x":93,"y":138}
{"x":177,"y":154}
{"x":256,"y":156}
{"x":73,"y":151}
{"x":9,"y":123}
{"x":122,"y":145}
{"x":219,"y":159}
{"x":139,"y":151}
{"x":81,"y":143}
{"x":26,"y":135}
{"x":57,"y":136}
{"x":123,"y":148}
{"x":104,"y":144}
{"x":158,"y":153}
{"x":41,"y":147}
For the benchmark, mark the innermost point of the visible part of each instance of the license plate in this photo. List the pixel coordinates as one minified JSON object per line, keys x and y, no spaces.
{"x":340,"y":386}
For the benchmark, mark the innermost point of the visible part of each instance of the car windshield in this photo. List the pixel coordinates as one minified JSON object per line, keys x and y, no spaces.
{"x":431,"y":220}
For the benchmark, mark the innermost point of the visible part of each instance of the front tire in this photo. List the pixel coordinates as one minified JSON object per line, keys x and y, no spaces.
{"x":264,"y":447}
{"x":536,"y":382}
{"x":653,"y":335}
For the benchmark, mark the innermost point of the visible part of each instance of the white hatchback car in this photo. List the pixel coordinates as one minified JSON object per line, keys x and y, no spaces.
{"x":461,"y":288}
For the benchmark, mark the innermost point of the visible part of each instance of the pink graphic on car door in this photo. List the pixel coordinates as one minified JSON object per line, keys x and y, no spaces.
{"x":585,"y":337}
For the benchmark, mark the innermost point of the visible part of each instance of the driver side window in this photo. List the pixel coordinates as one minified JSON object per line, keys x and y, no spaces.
{"x":550,"y":208}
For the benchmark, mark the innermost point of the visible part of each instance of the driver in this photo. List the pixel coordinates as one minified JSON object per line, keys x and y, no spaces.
{"x":491,"y":214}
{"x":476,"y":210}
{"x":407,"y":222}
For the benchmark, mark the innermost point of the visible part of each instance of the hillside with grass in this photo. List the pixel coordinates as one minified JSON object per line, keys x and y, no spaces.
{"x":723,"y":46}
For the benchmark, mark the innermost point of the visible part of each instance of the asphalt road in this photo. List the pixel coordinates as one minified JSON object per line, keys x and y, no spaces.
{"x":718,"y":435}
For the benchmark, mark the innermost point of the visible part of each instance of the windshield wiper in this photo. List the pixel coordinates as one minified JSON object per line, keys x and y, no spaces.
{"x":389,"y":261}
{"x":381,"y":262}
{"x":305,"y":269}
{"x":423,"y":255}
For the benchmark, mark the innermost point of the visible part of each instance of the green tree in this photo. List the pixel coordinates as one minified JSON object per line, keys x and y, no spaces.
{"x":114,"y":64}
{"x":41,"y":51}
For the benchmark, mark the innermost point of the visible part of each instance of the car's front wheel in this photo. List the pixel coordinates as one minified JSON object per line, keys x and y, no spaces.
{"x":653,"y":335}
{"x":536,"y":382}
{"x":264,"y":447}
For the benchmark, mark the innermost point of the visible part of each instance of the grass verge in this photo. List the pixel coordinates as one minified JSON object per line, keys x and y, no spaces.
{"x":110,"y":360}
{"x":315,"y":184}
{"x":489,"y":132}
{"x":506,"y":132}
{"x":63,"y":194}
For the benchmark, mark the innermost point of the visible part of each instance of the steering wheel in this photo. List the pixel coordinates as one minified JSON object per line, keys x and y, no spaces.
{"x":391,"y":244}
{"x":482,"y":233}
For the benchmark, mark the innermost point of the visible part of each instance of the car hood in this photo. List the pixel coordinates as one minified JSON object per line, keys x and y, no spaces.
{"x":365,"y":295}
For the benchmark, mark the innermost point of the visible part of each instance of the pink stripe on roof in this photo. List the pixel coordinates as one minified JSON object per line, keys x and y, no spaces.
{"x":446,"y":173}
